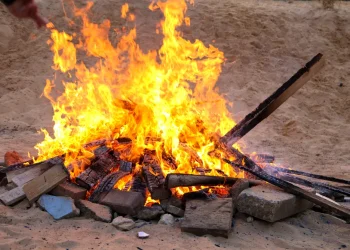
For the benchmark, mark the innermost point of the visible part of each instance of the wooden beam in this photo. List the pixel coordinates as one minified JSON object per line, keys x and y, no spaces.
{"x":268,"y":106}
{"x":45,"y":182}
{"x":245,"y":163}
{"x":11,"y":197}
{"x":30,"y":174}
{"x":188,"y":180}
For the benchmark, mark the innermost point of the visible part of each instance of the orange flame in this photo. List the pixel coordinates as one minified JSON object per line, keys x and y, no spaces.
{"x":172,"y":92}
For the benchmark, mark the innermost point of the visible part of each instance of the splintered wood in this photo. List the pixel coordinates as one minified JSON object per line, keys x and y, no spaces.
{"x":45,"y":182}
{"x":154,"y":176}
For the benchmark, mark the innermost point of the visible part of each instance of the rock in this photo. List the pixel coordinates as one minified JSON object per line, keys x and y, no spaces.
{"x":142,"y":235}
{"x":70,"y":190}
{"x":173,"y":201}
{"x":250,"y":219}
{"x":150,"y":213}
{"x":124,"y":202}
{"x":140,"y":223}
{"x":270,"y":203}
{"x":208,"y":217}
{"x":235,"y":191}
{"x":175,"y":211}
{"x":167,"y":219}
{"x":95,"y":211}
{"x":58,"y":207}
{"x":123,"y":224}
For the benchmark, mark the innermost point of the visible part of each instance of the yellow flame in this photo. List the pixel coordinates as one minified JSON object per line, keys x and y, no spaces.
{"x":171,"y":92}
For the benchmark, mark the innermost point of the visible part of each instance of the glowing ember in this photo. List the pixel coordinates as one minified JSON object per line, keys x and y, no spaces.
{"x":137,"y":95}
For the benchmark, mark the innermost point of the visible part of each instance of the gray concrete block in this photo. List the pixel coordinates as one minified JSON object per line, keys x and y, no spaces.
{"x":208,"y":217}
{"x":95,"y":211}
{"x":270,"y":203}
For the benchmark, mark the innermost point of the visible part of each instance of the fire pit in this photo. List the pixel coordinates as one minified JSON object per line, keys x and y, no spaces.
{"x":139,"y":129}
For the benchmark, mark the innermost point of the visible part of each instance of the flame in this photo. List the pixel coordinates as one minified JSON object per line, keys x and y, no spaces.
{"x":169,"y":94}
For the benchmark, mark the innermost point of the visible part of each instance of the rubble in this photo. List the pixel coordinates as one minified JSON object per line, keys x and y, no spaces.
{"x":70,"y":190}
{"x":58,"y":207}
{"x":95,"y":211}
{"x":150,"y":213}
{"x":166,"y":219}
{"x":270,"y":203}
{"x":208,"y":217}
{"x":124,"y":202}
{"x":124,"y":224}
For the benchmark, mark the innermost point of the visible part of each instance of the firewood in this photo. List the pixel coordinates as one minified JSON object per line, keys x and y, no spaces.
{"x":100,"y":167}
{"x":268,"y":106}
{"x":315,"y":176}
{"x":30,"y":174}
{"x":29,"y":164}
{"x":188,"y":180}
{"x":263,"y":158}
{"x":249,"y":165}
{"x":45,"y":182}
{"x":154,"y":176}
{"x":317,"y":185}
{"x":12,"y":158}
{"x":13,"y":196}
{"x":138,"y":185}
{"x":106,"y":185}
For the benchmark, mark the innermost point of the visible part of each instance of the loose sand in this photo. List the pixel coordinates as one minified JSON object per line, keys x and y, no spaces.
{"x":268,"y":41}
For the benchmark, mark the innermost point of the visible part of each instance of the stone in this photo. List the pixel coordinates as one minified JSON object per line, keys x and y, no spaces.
{"x":166,"y":219}
{"x":270,"y":203}
{"x":142,"y":235}
{"x":175,"y":211}
{"x":250,"y":219}
{"x":58,"y":207}
{"x":173,"y":201}
{"x":124,"y":202}
{"x":235,"y":191}
{"x":123,"y":224}
{"x":208,"y":217}
{"x":140,"y":223}
{"x":70,"y":190}
{"x":94,"y":211}
{"x":150,"y":213}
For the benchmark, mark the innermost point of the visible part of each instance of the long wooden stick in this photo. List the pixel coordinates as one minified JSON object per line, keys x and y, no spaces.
{"x":268,"y":106}
{"x":245,"y":163}
{"x":315,"y":176}
{"x":188,"y":180}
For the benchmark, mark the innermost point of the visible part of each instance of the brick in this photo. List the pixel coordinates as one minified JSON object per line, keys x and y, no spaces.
{"x":94,"y":211}
{"x":124,"y":202}
{"x":58,"y":207}
{"x":270,"y":203}
{"x":208,"y":217}
{"x":70,"y":190}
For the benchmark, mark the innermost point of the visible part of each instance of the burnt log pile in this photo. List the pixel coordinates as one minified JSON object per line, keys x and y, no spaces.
{"x":148,"y":194}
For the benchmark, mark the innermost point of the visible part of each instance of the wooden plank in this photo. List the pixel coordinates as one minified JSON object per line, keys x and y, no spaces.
{"x":11,"y":197}
{"x":30,"y":174}
{"x":245,"y":163}
{"x":12,"y":174}
{"x":268,"y":106}
{"x":45,"y":182}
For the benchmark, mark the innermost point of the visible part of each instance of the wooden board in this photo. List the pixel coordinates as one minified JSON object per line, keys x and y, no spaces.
{"x":268,"y":106}
{"x":11,"y":197}
{"x":30,"y":174}
{"x":45,"y":182}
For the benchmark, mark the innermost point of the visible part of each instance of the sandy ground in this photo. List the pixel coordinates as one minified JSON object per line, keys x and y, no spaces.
{"x":269,"y":41}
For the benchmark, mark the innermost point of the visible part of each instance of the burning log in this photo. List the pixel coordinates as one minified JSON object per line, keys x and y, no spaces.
{"x":101,"y":166}
{"x":138,"y":185}
{"x":268,"y":106}
{"x":188,"y":180}
{"x":263,"y":158}
{"x":317,"y":185}
{"x":315,"y":176}
{"x":154,"y":176}
{"x":250,"y":166}
{"x":106,"y":185}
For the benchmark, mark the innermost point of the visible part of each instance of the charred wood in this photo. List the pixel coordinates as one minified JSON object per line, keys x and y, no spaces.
{"x":106,"y":185}
{"x":268,"y":106}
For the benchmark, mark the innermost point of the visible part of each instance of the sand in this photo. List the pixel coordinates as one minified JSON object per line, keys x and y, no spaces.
{"x":265,"y":42}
